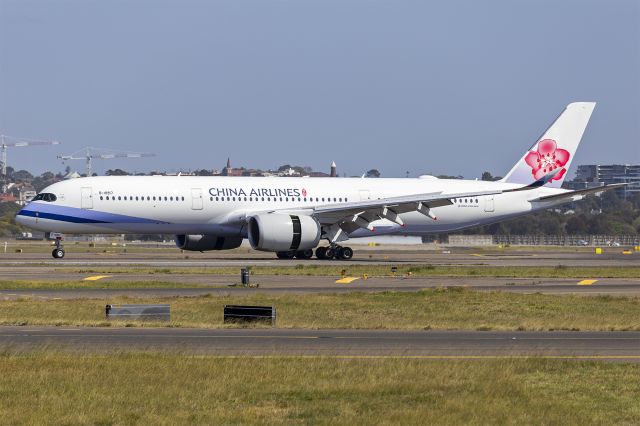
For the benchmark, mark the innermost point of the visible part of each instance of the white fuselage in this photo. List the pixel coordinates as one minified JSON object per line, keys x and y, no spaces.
{"x":220,"y":205}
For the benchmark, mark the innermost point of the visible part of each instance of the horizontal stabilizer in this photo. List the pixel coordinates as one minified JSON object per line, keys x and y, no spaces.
{"x":537,"y":184}
{"x":581,"y":192}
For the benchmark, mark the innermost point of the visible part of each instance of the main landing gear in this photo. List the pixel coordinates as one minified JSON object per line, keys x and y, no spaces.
{"x":334,"y":252}
{"x":58,"y":252}
{"x":302,"y":254}
{"x":325,"y":253}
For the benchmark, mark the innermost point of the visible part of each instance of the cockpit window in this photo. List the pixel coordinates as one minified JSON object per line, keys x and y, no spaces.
{"x":45,"y":196}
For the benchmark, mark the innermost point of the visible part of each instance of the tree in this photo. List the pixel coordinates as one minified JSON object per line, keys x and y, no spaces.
{"x":489,"y":177}
{"x":22,"y":175}
{"x":576,"y":224}
{"x":373,"y":173}
{"x":116,"y":172}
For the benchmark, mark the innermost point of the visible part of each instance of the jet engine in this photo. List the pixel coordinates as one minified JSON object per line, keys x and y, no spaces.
{"x":207,"y":242}
{"x":283,"y":232}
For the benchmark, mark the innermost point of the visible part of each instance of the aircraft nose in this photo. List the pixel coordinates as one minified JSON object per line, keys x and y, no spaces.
{"x":26,"y":215}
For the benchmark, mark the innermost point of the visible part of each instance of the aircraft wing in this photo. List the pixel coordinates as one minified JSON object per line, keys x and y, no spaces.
{"x":580,"y":192}
{"x":339,"y":220}
{"x":351,"y":216}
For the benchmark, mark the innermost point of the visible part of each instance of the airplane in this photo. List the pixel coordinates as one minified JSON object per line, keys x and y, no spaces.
{"x":290,"y":216}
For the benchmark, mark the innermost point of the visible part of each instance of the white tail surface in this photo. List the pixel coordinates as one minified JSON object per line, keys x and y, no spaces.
{"x":555,"y":149}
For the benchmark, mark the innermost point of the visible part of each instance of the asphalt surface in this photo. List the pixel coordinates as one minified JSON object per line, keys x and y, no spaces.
{"x":220,"y":285}
{"x":173,"y":258}
{"x":621,"y":346}
{"x":170,"y":265}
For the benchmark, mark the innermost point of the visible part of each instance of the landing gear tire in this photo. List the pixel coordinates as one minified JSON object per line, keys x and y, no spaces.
{"x":329,"y":253}
{"x":321,"y":252}
{"x":285,"y":254}
{"x":304,"y":254}
{"x":57,"y":253}
{"x":345,"y":253}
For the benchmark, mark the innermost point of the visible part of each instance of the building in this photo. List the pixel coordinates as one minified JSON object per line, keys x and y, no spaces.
{"x":25,"y":195}
{"x":8,"y":198}
{"x":230,"y":171}
{"x":594,"y":175}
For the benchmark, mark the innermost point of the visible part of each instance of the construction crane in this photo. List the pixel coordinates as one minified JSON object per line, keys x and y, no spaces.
{"x":90,"y":153}
{"x":9,"y":141}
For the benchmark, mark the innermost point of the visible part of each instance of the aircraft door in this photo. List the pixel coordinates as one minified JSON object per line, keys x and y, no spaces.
{"x":86,"y":197}
{"x":488,"y":203}
{"x":196,"y":199}
{"x":365,"y":195}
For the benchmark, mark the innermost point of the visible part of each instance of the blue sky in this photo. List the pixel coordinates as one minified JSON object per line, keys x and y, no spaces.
{"x":449,"y":87}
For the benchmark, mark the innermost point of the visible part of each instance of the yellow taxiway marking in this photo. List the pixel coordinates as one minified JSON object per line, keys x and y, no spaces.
{"x":347,"y":280}
{"x":587,"y":282}
{"x":96,"y":277}
{"x":477,"y":255}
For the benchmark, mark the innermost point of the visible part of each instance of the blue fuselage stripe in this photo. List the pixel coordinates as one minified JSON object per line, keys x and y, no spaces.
{"x":60,"y":217}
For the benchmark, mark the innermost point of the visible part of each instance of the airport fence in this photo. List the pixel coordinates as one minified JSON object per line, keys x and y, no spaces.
{"x":567,"y":240}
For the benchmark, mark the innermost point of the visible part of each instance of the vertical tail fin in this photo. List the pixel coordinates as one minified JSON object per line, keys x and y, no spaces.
{"x":554,"y":149}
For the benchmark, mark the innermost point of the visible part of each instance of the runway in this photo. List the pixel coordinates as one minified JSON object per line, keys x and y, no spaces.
{"x":164,"y":266}
{"x":170,"y":258}
{"x":198,"y":285}
{"x":622,"y":346}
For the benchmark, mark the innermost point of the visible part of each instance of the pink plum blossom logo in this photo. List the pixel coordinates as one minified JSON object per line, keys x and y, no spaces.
{"x":304,"y":192}
{"x":547,"y":158}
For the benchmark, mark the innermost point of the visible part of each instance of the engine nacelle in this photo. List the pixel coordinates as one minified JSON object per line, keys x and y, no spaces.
{"x":207,"y":242}
{"x":283,"y":232}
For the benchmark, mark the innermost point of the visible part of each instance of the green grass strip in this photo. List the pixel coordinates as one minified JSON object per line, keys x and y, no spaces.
{"x":455,"y":308}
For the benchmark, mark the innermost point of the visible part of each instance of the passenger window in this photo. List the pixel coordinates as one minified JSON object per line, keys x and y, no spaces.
{"x":101,"y":197}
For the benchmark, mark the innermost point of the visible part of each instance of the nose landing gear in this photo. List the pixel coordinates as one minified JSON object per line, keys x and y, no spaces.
{"x":58,"y":252}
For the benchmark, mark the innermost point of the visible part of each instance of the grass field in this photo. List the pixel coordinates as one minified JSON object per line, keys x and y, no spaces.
{"x":55,"y":388}
{"x":428,"y":309}
{"x":116,"y":284}
{"x":559,"y":271}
